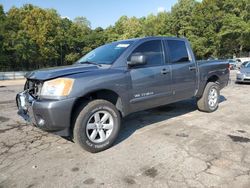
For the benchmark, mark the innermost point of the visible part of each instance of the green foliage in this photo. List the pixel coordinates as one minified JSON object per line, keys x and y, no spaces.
{"x":82,"y":21}
{"x":32,"y":37}
{"x":72,"y":57}
{"x":181,"y":17}
{"x":157,"y":25}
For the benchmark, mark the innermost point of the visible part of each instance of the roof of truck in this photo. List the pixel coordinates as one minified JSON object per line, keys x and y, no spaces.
{"x":151,"y":37}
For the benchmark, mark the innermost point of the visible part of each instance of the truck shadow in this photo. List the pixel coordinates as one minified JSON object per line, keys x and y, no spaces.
{"x":241,"y":83}
{"x":138,"y":120}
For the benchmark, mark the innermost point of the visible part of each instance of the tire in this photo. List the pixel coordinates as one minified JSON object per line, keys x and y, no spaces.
{"x":96,"y":134}
{"x":206,"y":105}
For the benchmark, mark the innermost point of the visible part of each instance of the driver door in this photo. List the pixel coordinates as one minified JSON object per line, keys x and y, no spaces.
{"x":151,"y":82}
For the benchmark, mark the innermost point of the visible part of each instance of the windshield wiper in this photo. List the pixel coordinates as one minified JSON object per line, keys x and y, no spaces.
{"x":89,"y":62}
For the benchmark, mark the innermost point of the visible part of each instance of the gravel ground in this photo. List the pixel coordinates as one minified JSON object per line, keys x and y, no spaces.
{"x":171,"y":146}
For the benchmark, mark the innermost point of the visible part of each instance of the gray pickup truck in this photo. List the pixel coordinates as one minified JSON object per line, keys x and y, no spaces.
{"x":87,"y":100}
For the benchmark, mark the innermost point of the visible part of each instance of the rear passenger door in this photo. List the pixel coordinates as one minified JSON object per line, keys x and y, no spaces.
{"x":183,"y":69}
{"x":151,"y":83}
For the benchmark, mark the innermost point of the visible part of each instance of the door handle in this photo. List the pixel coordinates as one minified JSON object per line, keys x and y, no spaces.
{"x":165,"y":71}
{"x":191,"y":68}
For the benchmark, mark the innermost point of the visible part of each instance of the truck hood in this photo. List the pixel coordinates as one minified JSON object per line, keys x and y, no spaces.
{"x":54,"y":72}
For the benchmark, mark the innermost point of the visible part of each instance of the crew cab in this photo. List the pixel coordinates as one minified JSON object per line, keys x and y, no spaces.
{"x":87,"y":100}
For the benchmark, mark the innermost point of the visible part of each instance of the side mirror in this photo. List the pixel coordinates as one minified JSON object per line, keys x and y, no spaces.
{"x":137,"y":59}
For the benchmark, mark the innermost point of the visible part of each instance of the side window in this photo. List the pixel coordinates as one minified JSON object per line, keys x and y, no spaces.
{"x":153,"y":52}
{"x":178,"y":51}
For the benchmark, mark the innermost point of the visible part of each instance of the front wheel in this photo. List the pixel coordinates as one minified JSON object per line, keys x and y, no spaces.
{"x":97,"y":126}
{"x":209,"y":101}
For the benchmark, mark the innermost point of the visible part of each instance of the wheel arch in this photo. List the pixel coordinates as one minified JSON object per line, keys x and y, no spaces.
{"x":105,"y":94}
{"x":211,"y":78}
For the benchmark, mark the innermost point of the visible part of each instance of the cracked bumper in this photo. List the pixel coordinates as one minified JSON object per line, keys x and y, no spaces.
{"x":48,"y":115}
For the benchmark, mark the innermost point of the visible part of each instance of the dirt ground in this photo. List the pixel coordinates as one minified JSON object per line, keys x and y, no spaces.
{"x":171,"y":146}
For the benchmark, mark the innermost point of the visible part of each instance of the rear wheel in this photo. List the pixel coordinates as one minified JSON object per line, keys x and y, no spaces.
{"x":209,"y":101}
{"x":97,"y":126}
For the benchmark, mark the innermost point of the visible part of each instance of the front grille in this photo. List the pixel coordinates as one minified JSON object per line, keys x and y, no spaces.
{"x":34,"y":87}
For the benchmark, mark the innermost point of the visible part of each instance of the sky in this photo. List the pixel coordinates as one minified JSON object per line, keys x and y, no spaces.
{"x":99,"y":12}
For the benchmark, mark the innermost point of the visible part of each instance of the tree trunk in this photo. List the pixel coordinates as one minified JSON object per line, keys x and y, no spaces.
{"x":241,"y":47}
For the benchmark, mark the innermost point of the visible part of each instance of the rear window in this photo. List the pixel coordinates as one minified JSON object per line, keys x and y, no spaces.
{"x":177,"y":51}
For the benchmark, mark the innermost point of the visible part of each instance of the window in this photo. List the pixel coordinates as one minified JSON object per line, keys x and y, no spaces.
{"x":153,"y":52}
{"x":178,"y":51}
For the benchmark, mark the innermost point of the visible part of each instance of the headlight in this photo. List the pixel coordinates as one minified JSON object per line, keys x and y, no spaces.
{"x":58,"y":87}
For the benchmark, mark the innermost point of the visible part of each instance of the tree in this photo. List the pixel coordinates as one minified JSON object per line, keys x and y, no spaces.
{"x":181,"y":14}
{"x":39,"y":37}
{"x":235,"y":32}
{"x":3,"y":58}
{"x":206,"y":23}
{"x":127,"y":28}
{"x":234,"y":36}
{"x":82,"y":21}
{"x":157,"y":25}
{"x":32,"y":37}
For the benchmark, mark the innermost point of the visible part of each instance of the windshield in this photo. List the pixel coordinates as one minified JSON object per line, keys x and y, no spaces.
{"x":106,"y":54}
{"x":246,"y":64}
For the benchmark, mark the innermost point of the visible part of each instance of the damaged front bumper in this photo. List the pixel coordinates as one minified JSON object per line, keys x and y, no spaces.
{"x":24,"y":102}
{"x":48,"y":115}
